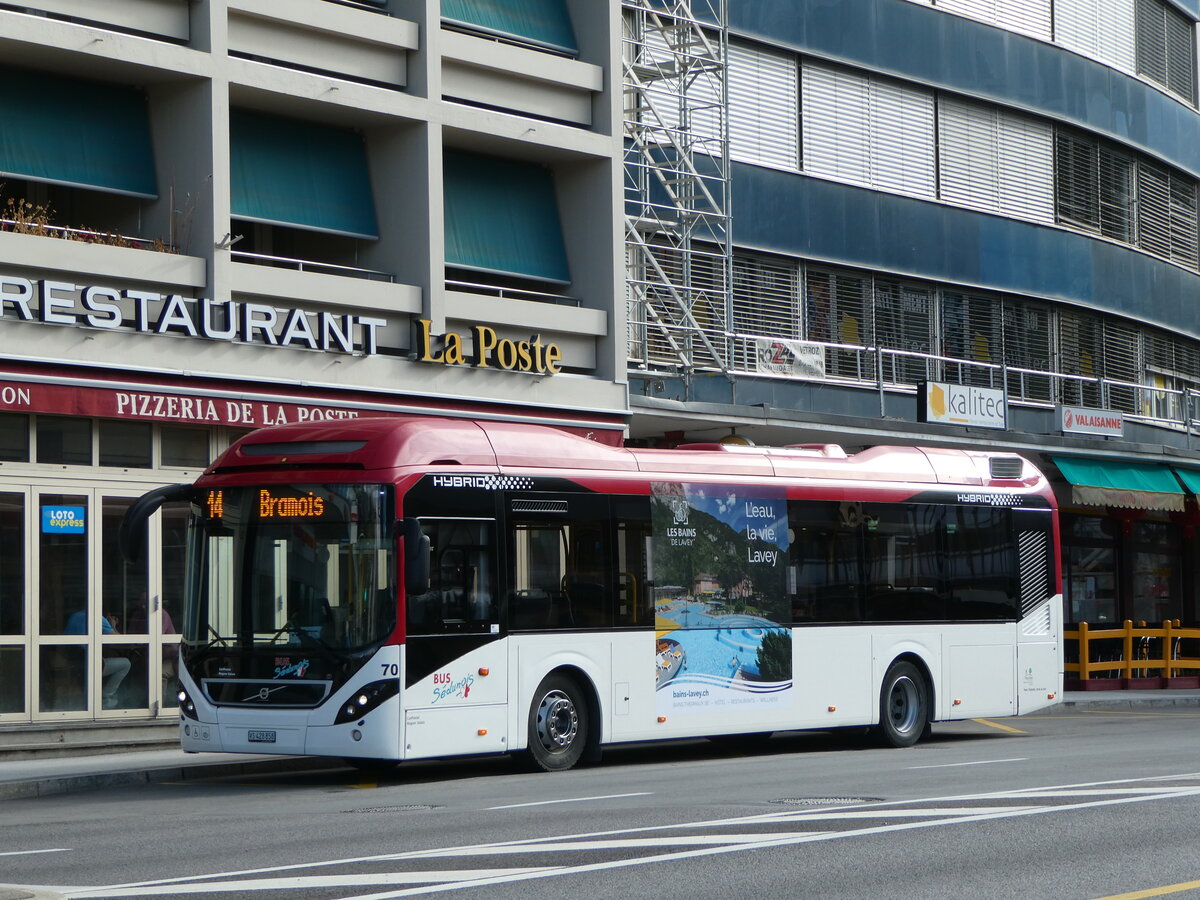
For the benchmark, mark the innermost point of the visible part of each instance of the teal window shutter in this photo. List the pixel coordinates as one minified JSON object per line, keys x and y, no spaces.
{"x":502,"y":218}
{"x":299,"y":174}
{"x":76,"y":133}
{"x":544,"y":22}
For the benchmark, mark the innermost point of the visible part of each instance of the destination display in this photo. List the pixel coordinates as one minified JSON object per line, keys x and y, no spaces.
{"x":278,"y":504}
{"x":720,"y":573}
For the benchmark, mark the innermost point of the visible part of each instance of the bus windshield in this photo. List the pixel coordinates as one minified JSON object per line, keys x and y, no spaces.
{"x":301,"y":566}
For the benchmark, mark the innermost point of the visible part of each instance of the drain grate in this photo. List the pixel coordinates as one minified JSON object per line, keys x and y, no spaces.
{"x":824,"y":801}
{"x":411,"y":807}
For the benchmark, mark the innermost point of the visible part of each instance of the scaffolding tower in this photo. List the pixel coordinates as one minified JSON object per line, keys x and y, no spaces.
{"x":677,"y":236}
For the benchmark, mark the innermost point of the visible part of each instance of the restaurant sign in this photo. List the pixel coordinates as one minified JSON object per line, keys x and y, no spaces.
{"x":149,"y":312}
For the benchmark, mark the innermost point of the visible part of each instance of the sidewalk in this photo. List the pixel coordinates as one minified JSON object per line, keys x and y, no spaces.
{"x":62,"y":774}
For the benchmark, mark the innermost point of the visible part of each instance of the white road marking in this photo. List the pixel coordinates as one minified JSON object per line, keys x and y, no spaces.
{"x":301,"y":882}
{"x":683,"y":840}
{"x":570,"y":800}
{"x":1106,"y":793}
{"x":903,"y":813}
{"x":31,"y":852}
{"x":980,"y":762}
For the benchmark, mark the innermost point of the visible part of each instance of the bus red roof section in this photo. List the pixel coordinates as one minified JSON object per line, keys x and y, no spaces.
{"x":420,"y":442}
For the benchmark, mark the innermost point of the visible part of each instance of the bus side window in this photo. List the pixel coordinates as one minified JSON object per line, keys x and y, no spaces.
{"x":561,"y":562}
{"x":635,"y":603}
{"x":461,"y":591}
{"x":825,"y":565}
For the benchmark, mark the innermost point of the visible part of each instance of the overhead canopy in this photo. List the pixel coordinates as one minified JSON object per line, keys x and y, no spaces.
{"x":299,"y":174}
{"x":1190,"y":479}
{"x":76,"y":133}
{"x":1103,"y":482}
{"x":502,"y":218}
{"x":544,"y":22}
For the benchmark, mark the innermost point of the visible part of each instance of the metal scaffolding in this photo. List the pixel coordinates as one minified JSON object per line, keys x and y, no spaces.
{"x":677,"y":240}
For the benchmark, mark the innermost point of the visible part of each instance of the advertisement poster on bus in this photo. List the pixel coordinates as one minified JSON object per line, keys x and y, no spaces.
{"x":720,"y":560}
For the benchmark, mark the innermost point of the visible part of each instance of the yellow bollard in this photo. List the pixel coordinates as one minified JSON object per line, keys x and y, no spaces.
{"x":1127,"y":650}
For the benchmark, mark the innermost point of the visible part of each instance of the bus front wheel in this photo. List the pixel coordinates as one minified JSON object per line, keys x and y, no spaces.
{"x":903,"y":706}
{"x":558,"y":724}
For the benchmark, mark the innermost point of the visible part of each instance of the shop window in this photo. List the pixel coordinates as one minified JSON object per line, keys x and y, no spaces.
{"x":63,"y":551}
{"x":12,"y":680}
{"x":123,"y":584}
{"x":14,"y":437}
{"x":12,"y":564}
{"x":1156,"y":574}
{"x":64,"y":441}
{"x":183,"y":446}
{"x":126,"y":444}
{"x":1090,"y":559}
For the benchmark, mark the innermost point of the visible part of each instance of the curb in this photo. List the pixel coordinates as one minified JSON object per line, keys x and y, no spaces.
{"x":64,"y":784}
{"x":1102,"y":704}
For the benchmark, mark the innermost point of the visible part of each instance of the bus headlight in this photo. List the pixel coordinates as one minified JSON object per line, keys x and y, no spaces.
{"x":186,"y":706}
{"x":367,"y":698}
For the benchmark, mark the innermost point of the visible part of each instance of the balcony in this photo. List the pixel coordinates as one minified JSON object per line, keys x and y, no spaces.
{"x":168,"y":19}
{"x":354,"y":43}
{"x":488,"y":72}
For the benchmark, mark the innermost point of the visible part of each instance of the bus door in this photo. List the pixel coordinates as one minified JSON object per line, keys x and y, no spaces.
{"x":563,"y":593}
{"x":456,"y":666}
{"x":1039,"y":630}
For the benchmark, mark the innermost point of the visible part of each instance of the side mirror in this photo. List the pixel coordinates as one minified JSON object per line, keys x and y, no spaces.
{"x":416,"y":557}
{"x":134,"y":521}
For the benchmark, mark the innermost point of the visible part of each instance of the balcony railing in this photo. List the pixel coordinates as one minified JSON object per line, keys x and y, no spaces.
{"x":509,"y":293}
{"x":308,"y":265}
{"x":658,"y":345}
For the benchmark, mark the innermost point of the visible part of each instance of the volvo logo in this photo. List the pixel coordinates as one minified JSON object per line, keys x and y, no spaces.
{"x":264,"y":693}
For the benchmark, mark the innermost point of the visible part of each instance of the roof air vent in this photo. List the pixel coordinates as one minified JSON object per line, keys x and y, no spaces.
{"x":1006,"y":466}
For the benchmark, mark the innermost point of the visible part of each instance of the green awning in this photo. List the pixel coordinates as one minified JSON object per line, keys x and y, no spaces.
{"x":543,"y":22}
{"x":1190,"y":479}
{"x":502,"y":218}
{"x":1103,"y":482}
{"x":76,"y":133}
{"x":299,"y":174}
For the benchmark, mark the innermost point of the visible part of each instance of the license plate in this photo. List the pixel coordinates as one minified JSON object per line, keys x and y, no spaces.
{"x":260,"y":737}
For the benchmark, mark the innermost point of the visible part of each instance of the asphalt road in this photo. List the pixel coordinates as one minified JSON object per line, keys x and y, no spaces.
{"x":1060,"y":805}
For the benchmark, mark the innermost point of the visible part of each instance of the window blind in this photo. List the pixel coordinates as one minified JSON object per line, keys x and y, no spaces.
{"x":299,"y":174}
{"x":76,"y":133}
{"x":541,"y":22}
{"x":763,"y":107}
{"x":1166,"y":47}
{"x":868,"y":131}
{"x":1102,"y":30}
{"x":502,"y":218}
{"x":995,"y":161}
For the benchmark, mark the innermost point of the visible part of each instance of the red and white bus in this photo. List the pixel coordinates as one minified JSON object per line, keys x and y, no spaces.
{"x":403,"y":588}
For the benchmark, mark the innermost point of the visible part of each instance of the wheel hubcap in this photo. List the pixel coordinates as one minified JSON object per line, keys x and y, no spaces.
{"x":903,"y":705}
{"x":557,"y":722}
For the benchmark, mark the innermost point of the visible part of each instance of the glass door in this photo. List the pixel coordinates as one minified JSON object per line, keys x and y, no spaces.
{"x":14,"y":606}
{"x":96,"y":616}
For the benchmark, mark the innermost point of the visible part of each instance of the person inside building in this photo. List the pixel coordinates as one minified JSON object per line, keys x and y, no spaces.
{"x":115,"y":667}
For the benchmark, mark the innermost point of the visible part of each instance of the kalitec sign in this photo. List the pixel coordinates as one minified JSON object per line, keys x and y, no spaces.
{"x":1078,"y":420}
{"x":487,"y":350}
{"x":148,"y":312}
{"x":961,"y":404}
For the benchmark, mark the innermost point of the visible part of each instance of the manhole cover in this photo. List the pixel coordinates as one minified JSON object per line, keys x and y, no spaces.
{"x":824,"y":801}
{"x":411,"y":807}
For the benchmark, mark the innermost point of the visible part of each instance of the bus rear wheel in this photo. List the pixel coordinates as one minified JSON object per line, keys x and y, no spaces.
{"x":558,"y":724}
{"x":903,"y":706}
